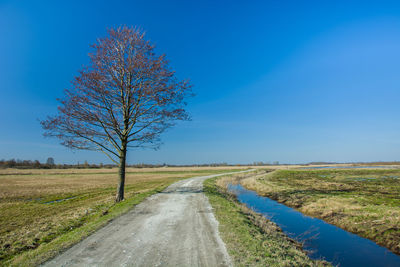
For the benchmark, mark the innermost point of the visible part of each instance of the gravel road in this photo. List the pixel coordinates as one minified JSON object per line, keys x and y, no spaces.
{"x":173,"y":228}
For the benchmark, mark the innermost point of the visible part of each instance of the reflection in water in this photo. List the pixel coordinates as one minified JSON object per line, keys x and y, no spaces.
{"x":321,"y":240}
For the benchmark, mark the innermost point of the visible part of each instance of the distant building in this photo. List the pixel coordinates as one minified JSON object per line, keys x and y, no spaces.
{"x":50,"y":161}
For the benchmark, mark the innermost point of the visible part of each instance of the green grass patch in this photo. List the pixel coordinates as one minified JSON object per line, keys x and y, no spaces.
{"x":76,"y":230}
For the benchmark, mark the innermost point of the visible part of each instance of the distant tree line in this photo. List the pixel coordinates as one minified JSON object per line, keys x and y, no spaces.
{"x":12,"y":163}
{"x":50,"y":164}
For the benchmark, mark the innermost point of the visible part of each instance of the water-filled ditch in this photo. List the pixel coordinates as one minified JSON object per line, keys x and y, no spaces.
{"x":321,"y":240}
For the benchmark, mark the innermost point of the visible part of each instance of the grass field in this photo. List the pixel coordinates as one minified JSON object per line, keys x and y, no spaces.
{"x":362,"y":201}
{"x":45,"y":211}
{"x":251,"y":239}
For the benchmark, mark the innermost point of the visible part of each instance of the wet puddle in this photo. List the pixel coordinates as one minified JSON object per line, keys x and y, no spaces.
{"x":58,"y":200}
{"x":321,"y":240}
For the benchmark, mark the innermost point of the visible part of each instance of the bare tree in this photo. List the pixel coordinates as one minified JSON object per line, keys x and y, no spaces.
{"x":126,"y":97}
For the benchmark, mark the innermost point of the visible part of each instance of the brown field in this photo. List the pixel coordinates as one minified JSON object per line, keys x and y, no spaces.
{"x":26,"y":184}
{"x":37,"y":207}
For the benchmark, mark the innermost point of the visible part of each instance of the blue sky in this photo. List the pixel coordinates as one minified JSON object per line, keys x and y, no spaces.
{"x":288,"y":81}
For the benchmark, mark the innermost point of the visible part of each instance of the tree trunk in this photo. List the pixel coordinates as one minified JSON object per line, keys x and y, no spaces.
{"x":121,"y":172}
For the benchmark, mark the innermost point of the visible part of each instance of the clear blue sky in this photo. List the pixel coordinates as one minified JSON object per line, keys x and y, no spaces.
{"x":288,"y":81}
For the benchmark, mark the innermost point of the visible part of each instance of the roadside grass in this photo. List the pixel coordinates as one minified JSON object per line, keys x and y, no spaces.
{"x":251,"y":239}
{"x":42,"y":213}
{"x":363,"y":201}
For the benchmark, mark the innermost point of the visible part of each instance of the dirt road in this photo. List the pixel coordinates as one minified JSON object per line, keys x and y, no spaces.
{"x":172,"y":228}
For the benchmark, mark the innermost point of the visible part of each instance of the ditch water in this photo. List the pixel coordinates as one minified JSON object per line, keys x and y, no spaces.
{"x":321,"y":240}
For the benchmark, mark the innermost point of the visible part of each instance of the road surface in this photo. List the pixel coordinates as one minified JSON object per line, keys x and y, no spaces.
{"x":173,"y":228}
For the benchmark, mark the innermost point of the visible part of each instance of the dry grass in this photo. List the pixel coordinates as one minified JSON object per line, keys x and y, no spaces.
{"x":362,"y":201}
{"x":28,"y":184}
{"x":114,"y":170}
{"x":30,"y":218}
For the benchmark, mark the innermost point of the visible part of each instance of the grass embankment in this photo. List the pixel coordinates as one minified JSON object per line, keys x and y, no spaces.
{"x":365,"y":202}
{"x":250,"y":238}
{"x":45,"y":211}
